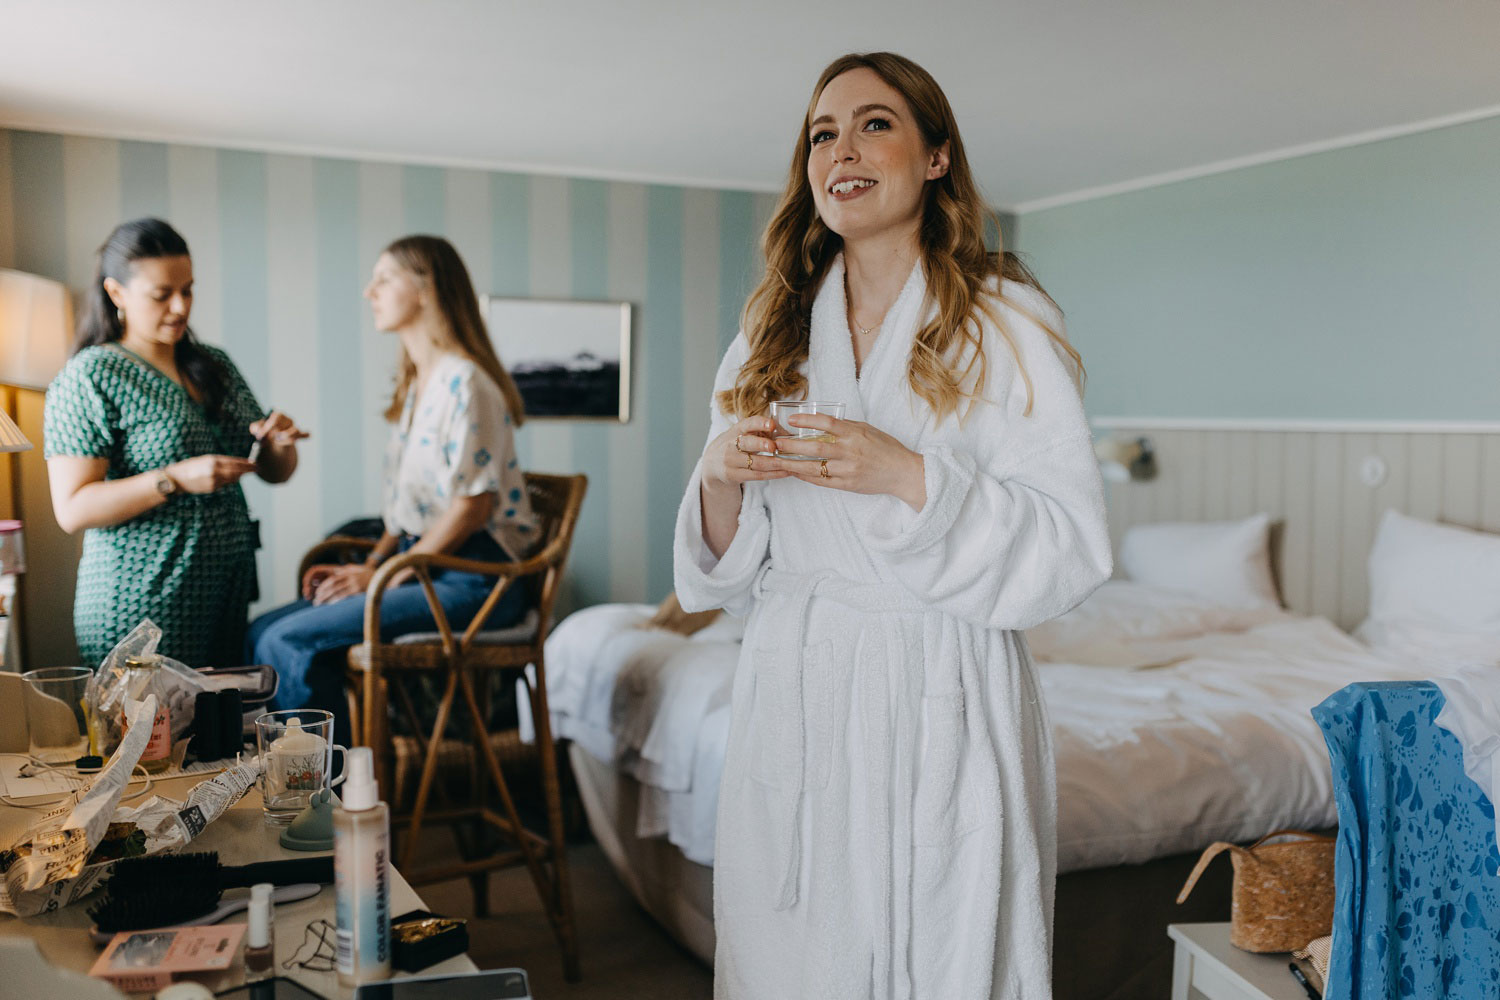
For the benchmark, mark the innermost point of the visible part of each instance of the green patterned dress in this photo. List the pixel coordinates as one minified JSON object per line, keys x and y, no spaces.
{"x":188,"y":565}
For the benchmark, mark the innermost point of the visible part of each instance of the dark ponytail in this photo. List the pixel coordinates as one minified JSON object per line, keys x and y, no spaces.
{"x":99,"y":323}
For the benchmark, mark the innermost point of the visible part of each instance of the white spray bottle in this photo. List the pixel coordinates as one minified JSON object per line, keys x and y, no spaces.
{"x":362,"y":875}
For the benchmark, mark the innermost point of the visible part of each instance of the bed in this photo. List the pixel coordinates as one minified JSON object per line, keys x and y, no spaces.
{"x":1178,"y":722}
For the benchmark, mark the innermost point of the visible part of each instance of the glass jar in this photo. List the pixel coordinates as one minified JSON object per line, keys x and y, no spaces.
{"x":143,"y":676}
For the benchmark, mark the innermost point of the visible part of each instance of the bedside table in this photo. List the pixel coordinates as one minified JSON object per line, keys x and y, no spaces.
{"x":1205,"y":966}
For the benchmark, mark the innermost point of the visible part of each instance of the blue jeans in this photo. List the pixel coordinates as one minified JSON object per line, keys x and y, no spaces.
{"x":307,"y":643}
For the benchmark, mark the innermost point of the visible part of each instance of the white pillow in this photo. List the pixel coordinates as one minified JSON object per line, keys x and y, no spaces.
{"x":1434,"y":593}
{"x":1227,"y":563}
{"x":1129,"y":624}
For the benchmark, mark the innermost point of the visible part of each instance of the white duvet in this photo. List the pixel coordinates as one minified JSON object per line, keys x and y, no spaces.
{"x":1152,"y":759}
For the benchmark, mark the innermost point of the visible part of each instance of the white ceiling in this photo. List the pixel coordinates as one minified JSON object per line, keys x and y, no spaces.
{"x":1056,"y":98}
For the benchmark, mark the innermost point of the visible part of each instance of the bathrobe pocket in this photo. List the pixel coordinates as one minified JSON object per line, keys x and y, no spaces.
{"x":777,"y":710}
{"x":942,"y":813}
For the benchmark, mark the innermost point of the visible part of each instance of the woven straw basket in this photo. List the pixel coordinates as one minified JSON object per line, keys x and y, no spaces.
{"x":1283,"y":893}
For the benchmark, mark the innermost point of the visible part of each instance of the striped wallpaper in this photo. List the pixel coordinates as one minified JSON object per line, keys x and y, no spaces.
{"x":282,"y":246}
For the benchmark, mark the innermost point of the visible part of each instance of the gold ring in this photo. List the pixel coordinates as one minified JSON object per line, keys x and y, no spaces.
{"x":823,"y":469}
{"x":750,"y":461}
{"x":737,"y":442}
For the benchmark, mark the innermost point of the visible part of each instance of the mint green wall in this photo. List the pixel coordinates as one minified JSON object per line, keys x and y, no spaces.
{"x":1353,"y":284}
{"x":282,"y":246}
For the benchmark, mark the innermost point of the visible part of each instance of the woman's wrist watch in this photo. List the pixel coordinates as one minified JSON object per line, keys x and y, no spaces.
{"x":165,"y":484}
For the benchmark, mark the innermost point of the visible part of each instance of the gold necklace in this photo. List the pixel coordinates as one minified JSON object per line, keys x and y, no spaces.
{"x":864,"y":331}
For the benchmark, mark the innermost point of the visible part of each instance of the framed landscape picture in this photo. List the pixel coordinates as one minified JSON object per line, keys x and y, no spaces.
{"x":569,"y":359}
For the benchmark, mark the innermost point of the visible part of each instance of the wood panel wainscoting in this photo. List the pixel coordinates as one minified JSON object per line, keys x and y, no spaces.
{"x":1308,"y":477}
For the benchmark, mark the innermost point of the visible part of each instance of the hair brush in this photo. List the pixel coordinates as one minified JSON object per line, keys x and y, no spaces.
{"x":170,"y":889}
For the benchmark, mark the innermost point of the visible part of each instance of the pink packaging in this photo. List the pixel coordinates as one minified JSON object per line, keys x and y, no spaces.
{"x":137,"y":961}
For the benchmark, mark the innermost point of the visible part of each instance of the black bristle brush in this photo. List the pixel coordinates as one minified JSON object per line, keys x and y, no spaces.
{"x":169,"y":889}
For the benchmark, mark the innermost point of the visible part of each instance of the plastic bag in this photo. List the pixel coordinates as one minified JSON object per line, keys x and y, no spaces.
{"x":106,"y":694}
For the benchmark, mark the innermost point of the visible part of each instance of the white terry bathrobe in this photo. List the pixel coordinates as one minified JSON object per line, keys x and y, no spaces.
{"x":886,"y":821}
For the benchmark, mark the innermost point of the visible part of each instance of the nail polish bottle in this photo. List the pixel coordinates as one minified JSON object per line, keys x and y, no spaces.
{"x":260,"y":938}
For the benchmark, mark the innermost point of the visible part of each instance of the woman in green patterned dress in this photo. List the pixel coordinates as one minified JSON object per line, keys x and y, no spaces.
{"x":148,"y":432}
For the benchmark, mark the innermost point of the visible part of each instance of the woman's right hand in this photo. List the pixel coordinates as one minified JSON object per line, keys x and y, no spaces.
{"x":208,"y":473}
{"x":730,"y":460}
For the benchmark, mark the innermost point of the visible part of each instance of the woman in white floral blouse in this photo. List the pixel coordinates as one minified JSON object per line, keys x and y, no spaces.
{"x":452,"y":481}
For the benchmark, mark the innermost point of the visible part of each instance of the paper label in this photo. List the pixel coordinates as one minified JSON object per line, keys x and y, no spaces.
{"x":159,"y":746}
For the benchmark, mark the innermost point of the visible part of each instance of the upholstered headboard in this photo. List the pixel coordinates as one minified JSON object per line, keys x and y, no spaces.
{"x":1319,"y":481}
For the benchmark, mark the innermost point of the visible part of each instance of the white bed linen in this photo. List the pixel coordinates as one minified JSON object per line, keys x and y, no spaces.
{"x":1217,"y":746}
{"x":1471,"y":712}
{"x":653,"y":703}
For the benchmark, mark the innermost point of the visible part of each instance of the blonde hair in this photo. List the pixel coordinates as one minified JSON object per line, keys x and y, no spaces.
{"x":799,"y":249}
{"x":433,"y":258}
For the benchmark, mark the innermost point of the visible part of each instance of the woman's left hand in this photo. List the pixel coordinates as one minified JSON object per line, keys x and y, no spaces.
{"x":859,"y":459}
{"x":277,"y":430}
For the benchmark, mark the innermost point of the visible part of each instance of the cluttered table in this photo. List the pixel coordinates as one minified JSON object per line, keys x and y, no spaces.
{"x":239,"y":836}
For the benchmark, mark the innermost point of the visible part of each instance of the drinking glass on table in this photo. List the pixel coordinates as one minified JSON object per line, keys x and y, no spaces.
{"x":296,"y":746}
{"x":54,"y":713}
{"x":782,"y":409}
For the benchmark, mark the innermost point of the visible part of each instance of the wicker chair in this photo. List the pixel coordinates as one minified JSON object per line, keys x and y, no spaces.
{"x":454,"y":660}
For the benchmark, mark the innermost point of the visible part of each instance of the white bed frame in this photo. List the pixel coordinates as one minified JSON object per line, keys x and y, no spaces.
{"x":1308,"y":475}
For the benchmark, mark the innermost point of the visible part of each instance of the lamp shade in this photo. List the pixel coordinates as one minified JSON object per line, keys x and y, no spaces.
{"x":11,"y":438}
{"x":36,"y":326}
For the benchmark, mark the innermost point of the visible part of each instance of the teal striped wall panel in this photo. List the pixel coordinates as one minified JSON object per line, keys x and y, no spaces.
{"x":283,"y":246}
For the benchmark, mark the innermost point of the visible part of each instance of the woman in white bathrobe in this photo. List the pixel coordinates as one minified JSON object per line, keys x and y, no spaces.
{"x":887,"y":813}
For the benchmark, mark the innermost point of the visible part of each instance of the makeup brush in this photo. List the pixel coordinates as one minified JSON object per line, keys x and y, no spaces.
{"x":167,"y":889}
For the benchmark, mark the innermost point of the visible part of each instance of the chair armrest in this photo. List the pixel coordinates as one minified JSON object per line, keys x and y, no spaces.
{"x":423,"y":563}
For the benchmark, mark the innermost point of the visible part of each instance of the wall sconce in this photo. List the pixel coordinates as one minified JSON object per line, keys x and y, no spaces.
{"x":1124,"y":460}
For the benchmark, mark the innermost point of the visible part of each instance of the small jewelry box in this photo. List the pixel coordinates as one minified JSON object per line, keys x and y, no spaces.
{"x":420,"y":939}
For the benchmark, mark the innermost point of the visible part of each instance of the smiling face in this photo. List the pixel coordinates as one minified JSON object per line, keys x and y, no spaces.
{"x":395,"y":295}
{"x":156,"y":299}
{"x":868,"y":163}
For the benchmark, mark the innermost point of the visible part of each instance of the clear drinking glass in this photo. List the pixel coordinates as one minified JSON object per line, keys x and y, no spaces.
{"x":781,"y":409}
{"x":297,"y":748}
{"x":54,"y":713}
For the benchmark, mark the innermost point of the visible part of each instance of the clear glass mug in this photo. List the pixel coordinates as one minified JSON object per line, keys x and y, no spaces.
{"x":55,"y":717}
{"x":782,"y":409}
{"x":296,"y":746}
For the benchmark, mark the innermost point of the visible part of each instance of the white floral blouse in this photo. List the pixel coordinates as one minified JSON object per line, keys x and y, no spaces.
{"x":456,"y":439}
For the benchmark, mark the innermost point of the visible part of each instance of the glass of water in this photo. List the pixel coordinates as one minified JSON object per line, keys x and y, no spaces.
{"x":296,"y":746}
{"x":782,"y":409}
{"x":55,"y":716}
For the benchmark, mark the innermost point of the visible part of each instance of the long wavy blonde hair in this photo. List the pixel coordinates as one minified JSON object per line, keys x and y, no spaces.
{"x":433,"y":259}
{"x":947,"y":367}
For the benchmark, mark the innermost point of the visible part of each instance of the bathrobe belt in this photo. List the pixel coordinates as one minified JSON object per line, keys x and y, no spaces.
{"x":892,"y":753}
